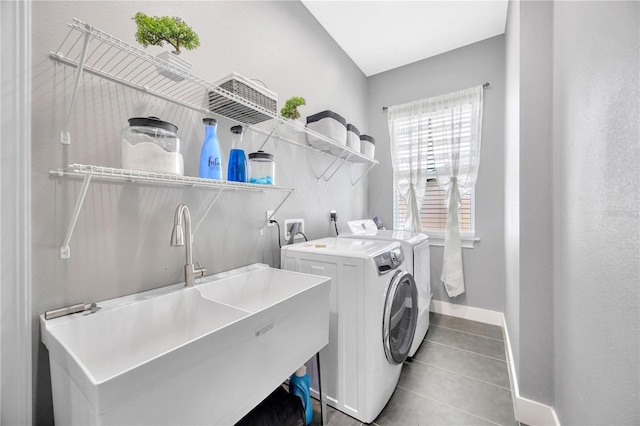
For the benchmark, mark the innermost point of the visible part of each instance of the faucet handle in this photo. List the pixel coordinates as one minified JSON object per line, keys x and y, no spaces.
{"x":200,"y":270}
{"x":93,"y":308}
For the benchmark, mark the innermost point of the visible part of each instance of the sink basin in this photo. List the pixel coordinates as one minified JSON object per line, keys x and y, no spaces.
{"x":119,"y":340}
{"x":254,"y":289}
{"x":175,"y":355}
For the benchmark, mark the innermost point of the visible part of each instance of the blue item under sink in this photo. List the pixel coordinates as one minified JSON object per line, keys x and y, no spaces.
{"x":299,"y":384}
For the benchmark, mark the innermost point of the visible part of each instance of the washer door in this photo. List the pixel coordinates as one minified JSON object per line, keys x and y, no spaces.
{"x":400,"y":317}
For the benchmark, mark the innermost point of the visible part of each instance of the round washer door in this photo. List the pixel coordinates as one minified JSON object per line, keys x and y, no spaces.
{"x":400,"y":317}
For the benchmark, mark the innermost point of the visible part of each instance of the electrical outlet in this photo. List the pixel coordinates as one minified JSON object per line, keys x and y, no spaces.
{"x":333,"y":215}
{"x":268,"y":216}
{"x":288,"y":223}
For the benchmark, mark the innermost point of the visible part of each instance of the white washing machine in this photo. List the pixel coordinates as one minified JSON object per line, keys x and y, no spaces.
{"x":417,"y":258}
{"x":373,"y":314}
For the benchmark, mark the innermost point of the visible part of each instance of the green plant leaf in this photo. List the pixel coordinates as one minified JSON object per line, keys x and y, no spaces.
{"x":155,"y":31}
{"x":290,"y":108}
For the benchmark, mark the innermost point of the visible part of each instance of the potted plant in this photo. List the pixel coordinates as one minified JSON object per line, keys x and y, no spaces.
{"x":290,"y":108}
{"x":158,"y":30}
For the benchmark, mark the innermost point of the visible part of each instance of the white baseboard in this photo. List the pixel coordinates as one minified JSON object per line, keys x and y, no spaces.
{"x":467,"y":312}
{"x":527,"y":411}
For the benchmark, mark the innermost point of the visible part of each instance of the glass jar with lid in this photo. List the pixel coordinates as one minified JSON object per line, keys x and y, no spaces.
{"x":152,"y":145}
{"x":262,"y":168}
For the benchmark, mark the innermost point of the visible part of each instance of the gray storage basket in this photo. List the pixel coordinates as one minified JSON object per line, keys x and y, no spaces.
{"x":229,"y":108}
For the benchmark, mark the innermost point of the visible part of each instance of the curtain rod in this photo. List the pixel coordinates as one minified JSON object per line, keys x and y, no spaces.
{"x":484,"y":86}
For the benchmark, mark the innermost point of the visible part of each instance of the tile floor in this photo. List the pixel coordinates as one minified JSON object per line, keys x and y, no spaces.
{"x":458,"y":376}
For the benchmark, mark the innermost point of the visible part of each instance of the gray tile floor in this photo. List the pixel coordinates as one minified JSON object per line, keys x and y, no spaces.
{"x":458,"y":376}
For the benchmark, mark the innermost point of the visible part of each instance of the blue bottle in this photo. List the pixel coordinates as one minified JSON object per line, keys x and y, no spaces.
{"x":210,"y":158}
{"x":237,"y":167}
{"x":299,"y":384}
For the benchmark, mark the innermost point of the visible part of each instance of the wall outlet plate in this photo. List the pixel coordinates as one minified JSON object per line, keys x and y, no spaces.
{"x":286,"y":230}
{"x":268,"y":216}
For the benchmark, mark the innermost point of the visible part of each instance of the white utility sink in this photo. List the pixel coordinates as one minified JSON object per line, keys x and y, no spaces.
{"x":175,"y":355}
{"x":255,"y":289}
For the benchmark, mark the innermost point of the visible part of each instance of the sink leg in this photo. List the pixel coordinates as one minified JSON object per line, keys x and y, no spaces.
{"x":323,"y":399}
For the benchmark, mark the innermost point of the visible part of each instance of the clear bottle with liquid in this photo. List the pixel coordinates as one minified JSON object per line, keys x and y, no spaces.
{"x":210,"y":157}
{"x":237,"y":167}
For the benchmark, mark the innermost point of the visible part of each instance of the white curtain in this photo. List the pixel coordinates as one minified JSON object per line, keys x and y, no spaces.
{"x":458,"y":125}
{"x":409,"y":135}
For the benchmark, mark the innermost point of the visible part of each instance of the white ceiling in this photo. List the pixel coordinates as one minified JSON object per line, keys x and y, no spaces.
{"x":386,"y":34}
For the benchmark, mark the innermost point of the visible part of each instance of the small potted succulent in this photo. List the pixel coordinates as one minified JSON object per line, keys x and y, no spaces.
{"x":290,"y":108}
{"x":158,"y":30}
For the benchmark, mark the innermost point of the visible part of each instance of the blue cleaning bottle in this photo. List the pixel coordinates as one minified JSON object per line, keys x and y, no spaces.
{"x":299,"y":384}
{"x":237,"y":167}
{"x":210,"y":158}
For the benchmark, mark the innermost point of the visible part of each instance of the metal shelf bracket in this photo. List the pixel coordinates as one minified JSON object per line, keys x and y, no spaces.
{"x":364,"y":174}
{"x":206,"y":212}
{"x":65,"y":250}
{"x":65,"y":137}
{"x":338,"y":157}
{"x":344,"y":160}
{"x":327,"y":169}
{"x":266,"y":222}
{"x":270,"y":134}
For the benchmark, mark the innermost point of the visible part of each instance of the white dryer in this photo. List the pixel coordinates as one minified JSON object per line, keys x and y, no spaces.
{"x":373,"y":314}
{"x":417,"y":258}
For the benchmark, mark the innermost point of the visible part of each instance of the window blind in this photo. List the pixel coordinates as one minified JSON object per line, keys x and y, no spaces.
{"x":433,"y":127}
{"x":433,"y":213}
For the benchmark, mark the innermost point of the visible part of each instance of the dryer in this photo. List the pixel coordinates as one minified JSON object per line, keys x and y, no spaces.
{"x":373,"y":314}
{"x":417,"y":258}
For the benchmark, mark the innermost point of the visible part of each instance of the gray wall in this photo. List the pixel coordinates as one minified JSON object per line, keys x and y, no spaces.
{"x":528,"y":232}
{"x":572,"y":207}
{"x":121,"y":243}
{"x":596,"y":212}
{"x":512,"y":179}
{"x":459,"y":69}
{"x":536,"y":289}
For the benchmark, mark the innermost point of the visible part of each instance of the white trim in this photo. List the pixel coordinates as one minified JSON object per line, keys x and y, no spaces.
{"x":16,"y":388}
{"x":437,"y":240}
{"x":467,"y":312}
{"x":527,"y":411}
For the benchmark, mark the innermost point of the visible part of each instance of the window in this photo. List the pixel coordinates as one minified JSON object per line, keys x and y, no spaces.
{"x":433,"y":212}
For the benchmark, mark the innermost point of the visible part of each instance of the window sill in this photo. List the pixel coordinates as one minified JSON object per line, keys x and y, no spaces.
{"x":438,"y":240}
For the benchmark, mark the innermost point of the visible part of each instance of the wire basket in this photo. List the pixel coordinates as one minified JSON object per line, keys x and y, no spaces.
{"x":246,"y":89}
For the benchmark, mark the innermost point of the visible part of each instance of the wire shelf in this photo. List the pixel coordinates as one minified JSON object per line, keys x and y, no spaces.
{"x":91,"y":50}
{"x":122,"y":175}
{"x":89,"y":173}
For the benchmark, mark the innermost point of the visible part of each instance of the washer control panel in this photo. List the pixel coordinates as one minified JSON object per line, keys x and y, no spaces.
{"x":389,"y":260}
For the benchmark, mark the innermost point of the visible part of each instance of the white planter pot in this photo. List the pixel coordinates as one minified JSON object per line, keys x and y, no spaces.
{"x":175,"y":67}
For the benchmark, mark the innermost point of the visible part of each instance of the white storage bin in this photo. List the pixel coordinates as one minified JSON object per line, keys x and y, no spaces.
{"x":367,"y":145}
{"x":353,"y":137}
{"x":329,"y":124}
